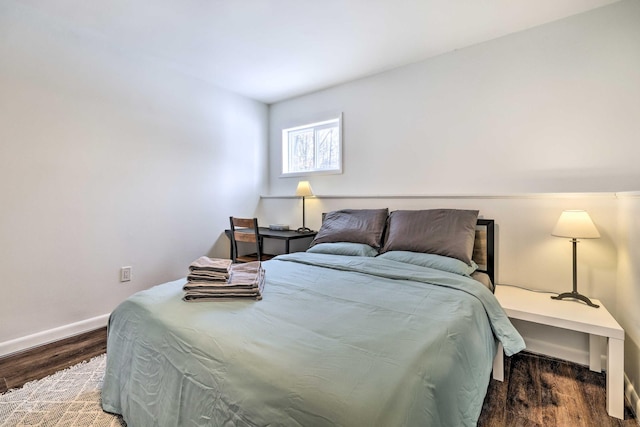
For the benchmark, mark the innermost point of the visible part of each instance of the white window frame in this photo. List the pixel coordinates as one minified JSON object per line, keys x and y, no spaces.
{"x":318,"y":123}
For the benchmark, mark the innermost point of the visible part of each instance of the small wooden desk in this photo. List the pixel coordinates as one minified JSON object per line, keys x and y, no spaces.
{"x":539,"y":308}
{"x":286,"y":235}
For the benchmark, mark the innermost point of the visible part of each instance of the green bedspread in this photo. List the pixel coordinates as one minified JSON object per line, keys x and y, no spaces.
{"x":345,"y":341}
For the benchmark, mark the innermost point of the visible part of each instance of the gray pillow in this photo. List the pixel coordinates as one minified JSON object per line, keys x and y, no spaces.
{"x":353,"y":225}
{"x":446,"y":232}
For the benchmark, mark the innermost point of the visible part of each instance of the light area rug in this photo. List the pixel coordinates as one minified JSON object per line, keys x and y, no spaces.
{"x":69,"y":398}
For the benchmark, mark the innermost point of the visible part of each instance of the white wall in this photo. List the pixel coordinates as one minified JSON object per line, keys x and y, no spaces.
{"x":108,"y":159}
{"x":552,"y":109}
{"x":521,"y":128}
{"x":628,"y":286}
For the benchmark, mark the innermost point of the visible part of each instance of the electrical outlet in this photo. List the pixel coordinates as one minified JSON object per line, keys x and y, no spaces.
{"x":125,"y":274}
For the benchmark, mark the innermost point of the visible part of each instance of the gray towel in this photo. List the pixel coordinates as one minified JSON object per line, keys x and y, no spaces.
{"x":204,"y":263}
{"x":246,"y":280}
{"x":209,"y":270}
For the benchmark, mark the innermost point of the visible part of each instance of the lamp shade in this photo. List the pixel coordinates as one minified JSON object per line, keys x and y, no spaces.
{"x":304,"y":189}
{"x":575,"y":224}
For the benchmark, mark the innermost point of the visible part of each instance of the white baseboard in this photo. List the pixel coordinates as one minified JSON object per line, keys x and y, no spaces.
{"x":51,"y":335}
{"x":632,"y":397}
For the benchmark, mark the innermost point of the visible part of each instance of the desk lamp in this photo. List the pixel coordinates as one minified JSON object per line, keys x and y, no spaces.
{"x":303,"y":190}
{"x":575,"y":224}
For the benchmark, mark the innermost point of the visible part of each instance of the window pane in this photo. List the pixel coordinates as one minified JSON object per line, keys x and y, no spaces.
{"x":301,"y":150}
{"x":327,"y":146}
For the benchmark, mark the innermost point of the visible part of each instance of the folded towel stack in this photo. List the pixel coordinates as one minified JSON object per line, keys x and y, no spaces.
{"x":207,"y":270}
{"x":245,"y":280}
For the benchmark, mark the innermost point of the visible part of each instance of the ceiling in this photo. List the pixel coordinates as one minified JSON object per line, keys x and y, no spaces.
{"x":271,"y":50}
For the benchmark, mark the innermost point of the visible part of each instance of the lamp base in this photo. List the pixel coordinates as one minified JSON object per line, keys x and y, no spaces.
{"x":577,"y":296}
{"x":304,"y":230}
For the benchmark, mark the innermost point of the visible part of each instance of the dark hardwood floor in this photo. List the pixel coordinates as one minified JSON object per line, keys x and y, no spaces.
{"x":537,"y":391}
{"x":18,"y":368}
{"x":542,"y":391}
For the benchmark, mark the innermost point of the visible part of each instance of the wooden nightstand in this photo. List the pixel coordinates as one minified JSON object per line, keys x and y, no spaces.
{"x":539,"y":308}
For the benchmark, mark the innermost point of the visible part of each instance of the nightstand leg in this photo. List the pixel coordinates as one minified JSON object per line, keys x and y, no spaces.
{"x":595,"y":353}
{"x":498,"y":364}
{"x":615,"y":378}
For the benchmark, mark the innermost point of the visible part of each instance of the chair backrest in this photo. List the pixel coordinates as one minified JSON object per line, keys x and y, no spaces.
{"x":244,"y":230}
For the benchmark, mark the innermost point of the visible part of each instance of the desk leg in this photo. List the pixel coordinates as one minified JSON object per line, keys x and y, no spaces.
{"x":286,"y":246}
{"x":615,"y":378}
{"x":595,"y":353}
{"x":498,"y":364}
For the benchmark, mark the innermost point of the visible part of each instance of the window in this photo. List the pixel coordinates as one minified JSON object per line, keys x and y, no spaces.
{"x":313,"y":148}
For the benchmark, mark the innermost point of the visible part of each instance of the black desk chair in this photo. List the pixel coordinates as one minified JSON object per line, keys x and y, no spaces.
{"x":246,"y":230}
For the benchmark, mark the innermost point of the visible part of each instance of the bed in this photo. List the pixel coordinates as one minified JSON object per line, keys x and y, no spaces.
{"x":365,"y":328}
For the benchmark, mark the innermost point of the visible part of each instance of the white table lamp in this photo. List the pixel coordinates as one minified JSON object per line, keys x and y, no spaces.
{"x":303,"y":190}
{"x":575,"y":224}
